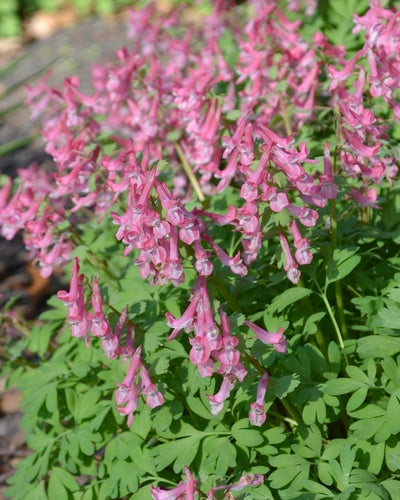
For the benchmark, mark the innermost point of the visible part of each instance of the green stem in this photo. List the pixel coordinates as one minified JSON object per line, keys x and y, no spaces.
{"x":285,"y":115}
{"x":234,"y":304}
{"x":340,"y":306}
{"x":318,"y":335}
{"x":11,"y":146}
{"x":186,"y":167}
{"x":294,"y":414}
{"x":335,"y":325}
{"x":338,"y":287}
{"x":261,"y":370}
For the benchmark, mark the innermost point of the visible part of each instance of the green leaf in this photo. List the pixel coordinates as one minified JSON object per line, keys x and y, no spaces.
{"x":162,"y":419}
{"x":318,"y":489}
{"x":367,"y":428}
{"x":85,"y":444}
{"x":338,"y":386}
{"x":310,"y":326}
{"x":347,"y":456}
{"x":393,"y":487}
{"x":377,"y":346}
{"x":65,"y":478}
{"x":314,"y":411}
{"x":324,"y":473}
{"x":285,"y":385}
{"x":355,"y":373}
{"x":174,"y":135}
{"x":143,"y":422}
{"x":73,"y":444}
{"x":39,"y":440}
{"x":276,"y":435}
{"x":391,"y":369}
{"x":370,"y":456}
{"x":197,"y":406}
{"x":392,"y":454}
{"x":142,"y":461}
{"x":217,"y":453}
{"x":387,"y":317}
{"x":247,"y":437}
{"x":155,"y":334}
{"x":289,"y":468}
{"x":360,"y":477}
{"x":142,"y":493}
{"x":71,"y":399}
{"x":56,"y":490}
{"x":357,"y":399}
{"x":87,"y":406}
{"x":166,"y":453}
{"x":233,"y":115}
{"x":393,"y":414}
{"x":226,"y":458}
{"x":228,"y":47}
{"x":333,"y":448}
{"x":341,"y":264}
{"x":39,"y":493}
{"x":341,"y":479}
{"x":334,"y":357}
{"x":369,"y":411}
{"x":288,"y":297}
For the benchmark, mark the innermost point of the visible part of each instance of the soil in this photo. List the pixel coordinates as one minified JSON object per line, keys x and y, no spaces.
{"x":73,"y":50}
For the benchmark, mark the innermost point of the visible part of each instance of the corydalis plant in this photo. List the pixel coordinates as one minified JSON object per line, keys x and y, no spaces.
{"x":176,"y":123}
{"x":158,"y":106}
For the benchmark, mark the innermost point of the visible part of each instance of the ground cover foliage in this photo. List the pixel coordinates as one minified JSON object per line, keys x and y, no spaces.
{"x":226,"y":208}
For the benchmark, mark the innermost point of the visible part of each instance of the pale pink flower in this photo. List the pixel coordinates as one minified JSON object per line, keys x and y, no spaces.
{"x":277,"y":340}
{"x":257,"y":414}
{"x":217,"y":401}
{"x":290,"y":265}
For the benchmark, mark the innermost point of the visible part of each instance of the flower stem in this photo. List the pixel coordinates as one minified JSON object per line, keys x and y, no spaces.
{"x":188,"y":171}
{"x":318,"y":334}
{"x":338,"y":287}
{"x":334,"y":240}
{"x":335,"y":325}
{"x":285,"y":115}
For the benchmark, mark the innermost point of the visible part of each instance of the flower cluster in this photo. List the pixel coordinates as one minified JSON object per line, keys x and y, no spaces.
{"x":186,"y":122}
{"x":169,"y":113}
{"x":83,"y":322}
{"x":187,"y":489}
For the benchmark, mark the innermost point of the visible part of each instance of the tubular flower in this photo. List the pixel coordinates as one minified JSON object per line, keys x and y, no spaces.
{"x":257,"y":415}
{"x":277,"y":340}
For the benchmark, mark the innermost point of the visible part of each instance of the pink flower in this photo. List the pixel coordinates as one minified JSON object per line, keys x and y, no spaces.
{"x":75,"y":302}
{"x":302,"y":254}
{"x":277,"y":340}
{"x":366,"y":200}
{"x":203,"y":264}
{"x":100,"y":326}
{"x":200,"y":351}
{"x":217,"y":401}
{"x":257,"y":414}
{"x":184,"y":490}
{"x":235,"y":263}
{"x":306,"y":216}
{"x":128,"y":391}
{"x":186,"y":320}
{"x":290,"y":265}
{"x":153,"y":396}
{"x":358,"y":146}
{"x":245,"y":480}
{"x":228,"y":356}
